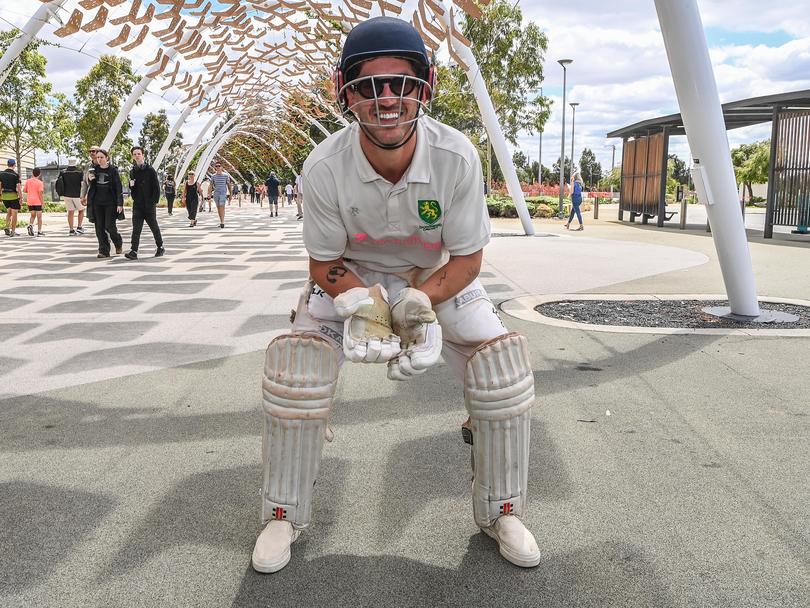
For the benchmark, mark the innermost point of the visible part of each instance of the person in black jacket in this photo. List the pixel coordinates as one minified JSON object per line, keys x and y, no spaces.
{"x":106,"y":195}
{"x":169,"y":190}
{"x":145,"y":189}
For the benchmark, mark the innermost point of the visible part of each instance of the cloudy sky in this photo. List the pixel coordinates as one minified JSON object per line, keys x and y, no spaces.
{"x":619,"y":73}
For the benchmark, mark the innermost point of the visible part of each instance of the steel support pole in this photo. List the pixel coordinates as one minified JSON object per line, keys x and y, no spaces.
{"x":192,"y":150}
{"x":27,"y":33}
{"x":490,"y":119}
{"x":164,"y":149}
{"x":696,"y":89}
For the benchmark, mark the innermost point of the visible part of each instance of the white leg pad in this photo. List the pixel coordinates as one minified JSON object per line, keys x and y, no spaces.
{"x":499,"y":392}
{"x":300,"y":376}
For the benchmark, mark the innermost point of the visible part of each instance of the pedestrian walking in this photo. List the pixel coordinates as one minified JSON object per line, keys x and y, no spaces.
{"x":205,"y":192}
{"x":34,"y":191}
{"x":288,"y":192}
{"x":70,"y":191}
{"x":145,"y":192}
{"x":190,"y":196}
{"x":169,"y":190}
{"x":10,"y":195}
{"x":576,"y":201}
{"x":252,"y":194}
{"x":221,"y":181}
{"x":89,"y":212}
{"x":105,"y":196}
{"x":299,"y":197}
{"x":272,"y":184}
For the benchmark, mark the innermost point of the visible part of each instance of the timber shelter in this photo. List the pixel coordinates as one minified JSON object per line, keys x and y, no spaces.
{"x":645,"y":150}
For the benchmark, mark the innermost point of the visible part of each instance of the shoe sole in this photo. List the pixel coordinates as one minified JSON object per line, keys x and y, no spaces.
{"x":518,"y":560}
{"x":269,"y":567}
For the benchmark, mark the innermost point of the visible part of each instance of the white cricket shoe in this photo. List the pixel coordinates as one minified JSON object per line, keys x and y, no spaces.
{"x":516,"y":543}
{"x":272,"y":550}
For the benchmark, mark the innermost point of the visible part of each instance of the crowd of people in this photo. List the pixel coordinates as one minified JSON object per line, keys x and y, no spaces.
{"x":97,"y":194}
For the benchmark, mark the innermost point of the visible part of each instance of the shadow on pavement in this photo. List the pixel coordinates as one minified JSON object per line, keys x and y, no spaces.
{"x":39,"y":526}
{"x":603,"y":574}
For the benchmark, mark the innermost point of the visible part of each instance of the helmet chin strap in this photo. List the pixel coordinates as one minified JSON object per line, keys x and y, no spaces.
{"x":380,"y":144}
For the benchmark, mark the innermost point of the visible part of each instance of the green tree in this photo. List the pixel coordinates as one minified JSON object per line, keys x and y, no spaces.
{"x":510,"y":56}
{"x":589,"y":168}
{"x":751,"y":164}
{"x":154,"y":131}
{"x":26,"y":103}
{"x":63,"y":135}
{"x":522,"y":167}
{"x":677,"y":170}
{"x":555,"y":171}
{"x":614,"y":179}
{"x":99,"y":97}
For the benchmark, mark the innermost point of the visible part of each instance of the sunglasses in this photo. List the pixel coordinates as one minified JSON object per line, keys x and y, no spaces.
{"x":373,"y":86}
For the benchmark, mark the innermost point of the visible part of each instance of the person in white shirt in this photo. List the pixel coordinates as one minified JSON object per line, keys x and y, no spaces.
{"x":299,"y":198}
{"x":288,"y":191}
{"x":395,"y":229}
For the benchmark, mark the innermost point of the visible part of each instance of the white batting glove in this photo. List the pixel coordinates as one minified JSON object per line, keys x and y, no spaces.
{"x":368,"y":336}
{"x":420,"y":334}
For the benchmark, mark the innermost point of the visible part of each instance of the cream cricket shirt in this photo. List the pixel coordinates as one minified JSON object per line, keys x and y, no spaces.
{"x":437,"y":208}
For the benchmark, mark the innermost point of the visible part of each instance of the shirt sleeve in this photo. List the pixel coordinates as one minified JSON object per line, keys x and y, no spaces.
{"x":324,"y":232}
{"x":466,"y":226}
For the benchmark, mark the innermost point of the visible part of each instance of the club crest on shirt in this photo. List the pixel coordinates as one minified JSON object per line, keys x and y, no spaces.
{"x":429,"y":212}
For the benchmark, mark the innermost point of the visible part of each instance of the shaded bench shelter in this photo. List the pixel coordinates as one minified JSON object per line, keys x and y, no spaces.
{"x":646,"y":146}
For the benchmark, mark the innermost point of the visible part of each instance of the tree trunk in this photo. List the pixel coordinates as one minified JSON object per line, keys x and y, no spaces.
{"x":750,"y":192}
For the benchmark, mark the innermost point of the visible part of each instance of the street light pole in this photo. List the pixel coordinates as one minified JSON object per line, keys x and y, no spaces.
{"x":560,"y":212}
{"x":573,"y":105}
{"x":613,"y":159}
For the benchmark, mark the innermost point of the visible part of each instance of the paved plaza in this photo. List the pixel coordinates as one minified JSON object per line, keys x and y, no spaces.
{"x":665,"y":470}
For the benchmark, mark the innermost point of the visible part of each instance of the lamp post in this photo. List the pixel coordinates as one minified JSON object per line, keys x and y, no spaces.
{"x":573,"y":105}
{"x":564,"y":63}
{"x":613,"y":158}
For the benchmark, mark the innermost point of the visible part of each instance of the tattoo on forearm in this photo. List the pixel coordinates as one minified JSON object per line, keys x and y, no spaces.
{"x":442,"y":278}
{"x":335,"y":273}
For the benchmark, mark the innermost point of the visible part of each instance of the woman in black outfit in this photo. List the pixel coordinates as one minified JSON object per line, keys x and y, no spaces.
{"x":169,"y":191}
{"x":190,"y":195}
{"x":107,"y":197}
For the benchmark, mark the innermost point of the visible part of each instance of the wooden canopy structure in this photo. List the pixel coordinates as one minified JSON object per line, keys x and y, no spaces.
{"x":646,"y":144}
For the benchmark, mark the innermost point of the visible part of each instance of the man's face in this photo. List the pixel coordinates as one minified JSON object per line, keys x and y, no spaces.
{"x":101,"y":158}
{"x":388,"y":118}
{"x":93,"y":155}
{"x":218,"y":168}
{"x":137,"y":156}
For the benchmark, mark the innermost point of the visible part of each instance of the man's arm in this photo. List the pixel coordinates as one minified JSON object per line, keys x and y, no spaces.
{"x":451,"y":278}
{"x":333,"y":276}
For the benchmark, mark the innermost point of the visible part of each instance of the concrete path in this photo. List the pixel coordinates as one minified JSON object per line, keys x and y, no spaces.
{"x":666,"y":471}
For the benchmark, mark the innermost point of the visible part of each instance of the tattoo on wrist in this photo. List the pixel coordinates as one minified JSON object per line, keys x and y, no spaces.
{"x":335,"y":273}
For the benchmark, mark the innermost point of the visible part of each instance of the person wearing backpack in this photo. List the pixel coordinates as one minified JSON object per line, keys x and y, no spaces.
{"x":69,"y":188}
{"x":576,"y":201}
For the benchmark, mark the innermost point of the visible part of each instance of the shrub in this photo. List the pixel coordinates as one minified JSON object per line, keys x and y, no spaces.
{"x":544,"y":210}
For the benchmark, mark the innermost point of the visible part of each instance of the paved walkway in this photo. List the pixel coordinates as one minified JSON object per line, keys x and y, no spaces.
{"x":666,"y":471}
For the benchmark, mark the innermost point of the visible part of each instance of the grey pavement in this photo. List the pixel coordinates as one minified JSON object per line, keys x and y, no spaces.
{"x":666,"y":470}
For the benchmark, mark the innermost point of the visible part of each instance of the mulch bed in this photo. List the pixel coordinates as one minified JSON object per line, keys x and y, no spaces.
{"x":663,"y":313}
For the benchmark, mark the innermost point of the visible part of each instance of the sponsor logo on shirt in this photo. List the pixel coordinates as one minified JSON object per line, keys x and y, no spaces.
{"x":430,"y":211}
{"x":411,"y":241}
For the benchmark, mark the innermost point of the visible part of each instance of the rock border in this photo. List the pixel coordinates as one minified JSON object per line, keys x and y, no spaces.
{"x":523,"y":308}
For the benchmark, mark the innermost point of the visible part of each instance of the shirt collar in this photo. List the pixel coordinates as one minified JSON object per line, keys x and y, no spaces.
{"x":419,"y":169}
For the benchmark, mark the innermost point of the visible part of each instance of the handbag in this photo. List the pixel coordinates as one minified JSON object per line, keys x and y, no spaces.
{"x":120,"y":217}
